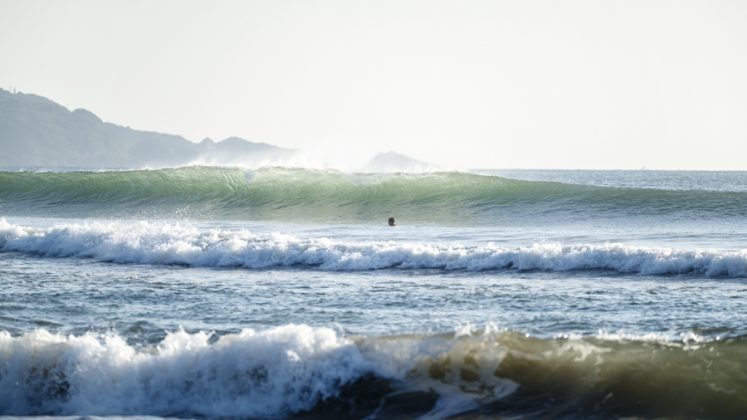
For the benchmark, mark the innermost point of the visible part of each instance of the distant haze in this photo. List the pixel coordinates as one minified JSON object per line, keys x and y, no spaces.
{"x":489,"y":84}
{"x":40,"y":135}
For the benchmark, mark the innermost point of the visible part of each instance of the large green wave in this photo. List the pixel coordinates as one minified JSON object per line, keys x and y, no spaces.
{"x":296,"y":194}
{"x":514,"y":375}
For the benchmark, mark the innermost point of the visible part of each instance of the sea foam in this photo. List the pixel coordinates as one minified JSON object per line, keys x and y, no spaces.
{"x":289,"y":369}
{"x":162,"y":243}
{"x":252,"y":373}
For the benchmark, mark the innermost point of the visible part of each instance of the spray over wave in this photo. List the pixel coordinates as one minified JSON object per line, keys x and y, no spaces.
{"x":313,"y":195}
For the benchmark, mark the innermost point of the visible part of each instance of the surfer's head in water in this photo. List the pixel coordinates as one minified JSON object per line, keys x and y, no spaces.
{"x":391,"y":221}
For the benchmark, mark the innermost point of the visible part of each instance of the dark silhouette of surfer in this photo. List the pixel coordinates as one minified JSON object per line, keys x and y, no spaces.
{"x":391,"y":222}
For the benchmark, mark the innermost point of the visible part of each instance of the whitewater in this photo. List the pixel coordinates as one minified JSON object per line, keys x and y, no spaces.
{"x":282,"y":293}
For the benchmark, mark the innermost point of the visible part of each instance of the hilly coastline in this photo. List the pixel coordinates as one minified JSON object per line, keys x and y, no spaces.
{"x":37,"y":133}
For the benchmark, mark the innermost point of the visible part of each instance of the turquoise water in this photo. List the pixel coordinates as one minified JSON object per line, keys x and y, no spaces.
{"x":221,"y":292}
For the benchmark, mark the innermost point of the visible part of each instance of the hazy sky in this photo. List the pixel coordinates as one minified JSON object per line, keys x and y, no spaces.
{"x":502,"y":84}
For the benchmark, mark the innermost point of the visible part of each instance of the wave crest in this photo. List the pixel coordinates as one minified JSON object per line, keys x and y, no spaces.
{"x":265,"y":373}
{"x":156,"y":243}
{"x":292,"y":369}
{"x":316,"y":195}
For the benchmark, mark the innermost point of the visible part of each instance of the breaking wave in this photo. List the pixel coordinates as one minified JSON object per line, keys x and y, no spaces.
{"x":316,"y":195}
{"x":302,"y":370}
{"x":165,"y":243}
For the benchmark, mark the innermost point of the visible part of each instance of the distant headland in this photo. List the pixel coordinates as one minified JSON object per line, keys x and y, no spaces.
{"x":39,"y":134}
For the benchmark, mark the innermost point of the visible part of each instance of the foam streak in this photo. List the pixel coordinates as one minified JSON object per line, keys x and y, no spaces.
{"x":154,"y":243}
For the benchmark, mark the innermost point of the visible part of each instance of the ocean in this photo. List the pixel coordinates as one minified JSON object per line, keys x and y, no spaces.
{"x":204,"y":292}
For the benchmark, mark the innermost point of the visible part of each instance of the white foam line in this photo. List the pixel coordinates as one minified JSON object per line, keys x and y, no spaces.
{"x":160,"y":243}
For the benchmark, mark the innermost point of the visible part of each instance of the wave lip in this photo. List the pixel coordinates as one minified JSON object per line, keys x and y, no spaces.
{"x":159,"y":243}
{"x":317,"y":195}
